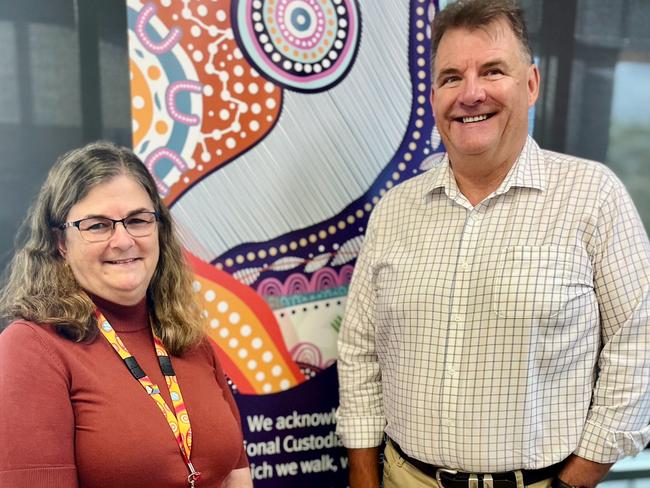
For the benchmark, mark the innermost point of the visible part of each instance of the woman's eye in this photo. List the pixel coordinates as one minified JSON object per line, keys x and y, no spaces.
{"x":96,"y":226}
{"x":140,"y":220}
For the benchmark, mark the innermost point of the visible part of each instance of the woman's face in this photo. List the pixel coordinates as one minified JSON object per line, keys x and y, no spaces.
{"x":120,"y":268}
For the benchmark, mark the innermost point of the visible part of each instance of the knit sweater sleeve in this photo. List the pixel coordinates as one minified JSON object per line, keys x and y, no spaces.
{"x":36,"y":414}
{"x":223,"y":384}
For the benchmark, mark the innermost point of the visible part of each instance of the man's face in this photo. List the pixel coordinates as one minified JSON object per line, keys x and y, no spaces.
{"x":482,"y":89}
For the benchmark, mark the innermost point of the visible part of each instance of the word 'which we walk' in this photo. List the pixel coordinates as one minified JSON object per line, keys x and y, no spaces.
{"x":322,"y":464}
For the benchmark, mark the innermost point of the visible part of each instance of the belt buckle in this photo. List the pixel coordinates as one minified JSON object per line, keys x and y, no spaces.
{"x":444,"y":470}
{"x":472,"y":481}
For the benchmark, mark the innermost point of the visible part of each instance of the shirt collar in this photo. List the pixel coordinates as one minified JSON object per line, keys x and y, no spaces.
{"x":527,"y":172}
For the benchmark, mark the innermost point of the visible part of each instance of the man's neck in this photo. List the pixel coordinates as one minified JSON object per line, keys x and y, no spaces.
{"x":479,"y":176}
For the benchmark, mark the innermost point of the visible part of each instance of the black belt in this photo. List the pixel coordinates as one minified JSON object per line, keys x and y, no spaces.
{"x":453,"y":479}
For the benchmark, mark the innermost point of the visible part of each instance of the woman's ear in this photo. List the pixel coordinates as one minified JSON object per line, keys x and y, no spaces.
{"x":60,"y":242}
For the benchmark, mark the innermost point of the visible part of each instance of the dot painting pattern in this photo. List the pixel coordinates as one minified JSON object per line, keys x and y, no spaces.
{"x":196,"y":101}
{"x":303,"y":45}
{"x":314,"y":263}
{"x":334,"y":242}
{"x":251,"y":347}
{"x":207,"y":82}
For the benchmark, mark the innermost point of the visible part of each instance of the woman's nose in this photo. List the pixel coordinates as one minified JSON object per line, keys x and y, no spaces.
{"x":121,"y":236}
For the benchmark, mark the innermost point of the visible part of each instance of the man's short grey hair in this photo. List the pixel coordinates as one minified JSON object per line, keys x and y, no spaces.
{"x":473,"y":14}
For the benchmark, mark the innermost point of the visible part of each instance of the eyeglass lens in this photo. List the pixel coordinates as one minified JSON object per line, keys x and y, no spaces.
{"x":100,"y":228}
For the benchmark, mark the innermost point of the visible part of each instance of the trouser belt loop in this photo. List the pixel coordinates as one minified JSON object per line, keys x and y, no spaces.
{"x":472,"y":482}
{"x":519,"y":476}
{"x":488,"y":482}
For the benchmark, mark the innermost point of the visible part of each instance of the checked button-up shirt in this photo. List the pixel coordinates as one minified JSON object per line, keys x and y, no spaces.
{"x":506,"y":335}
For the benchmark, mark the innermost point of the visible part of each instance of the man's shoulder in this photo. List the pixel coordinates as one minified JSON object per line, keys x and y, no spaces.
{"x":575,"y":164}
{"x":405,"y":198}
{"x":413,"y":188}
{"x":579,"y":170}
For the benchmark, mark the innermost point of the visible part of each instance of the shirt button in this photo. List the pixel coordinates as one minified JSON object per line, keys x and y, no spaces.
{"x":464,"y":266}
{"x":457,"y":318}
{"x":451,"y":372}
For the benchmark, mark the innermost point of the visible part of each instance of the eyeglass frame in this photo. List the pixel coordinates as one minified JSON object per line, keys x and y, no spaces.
{"x":76,"y":224}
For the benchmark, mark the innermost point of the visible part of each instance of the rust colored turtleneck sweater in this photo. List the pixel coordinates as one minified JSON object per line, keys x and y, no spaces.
{"x":72,"y":415}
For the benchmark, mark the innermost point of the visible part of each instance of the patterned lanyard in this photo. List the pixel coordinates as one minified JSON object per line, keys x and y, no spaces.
{"x":179,"y":421}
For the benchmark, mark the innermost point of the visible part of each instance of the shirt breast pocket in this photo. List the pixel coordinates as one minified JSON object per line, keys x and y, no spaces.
{"x":537,"y":282}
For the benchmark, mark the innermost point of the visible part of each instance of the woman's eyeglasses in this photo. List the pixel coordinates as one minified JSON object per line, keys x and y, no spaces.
{"x":98,"y":229}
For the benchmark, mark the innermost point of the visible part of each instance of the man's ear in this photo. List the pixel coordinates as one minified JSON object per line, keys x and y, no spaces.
{"x":533,"y":84}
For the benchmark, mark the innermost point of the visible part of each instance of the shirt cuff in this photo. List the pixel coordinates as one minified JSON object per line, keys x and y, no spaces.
{"x":603,"y":445}
{"x":361,"y":432}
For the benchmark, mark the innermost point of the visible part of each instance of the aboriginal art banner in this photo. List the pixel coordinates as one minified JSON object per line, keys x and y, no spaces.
{"x":272,"y":129}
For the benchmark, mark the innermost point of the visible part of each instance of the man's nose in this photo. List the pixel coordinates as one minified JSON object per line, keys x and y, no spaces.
{"x":473,"y":91}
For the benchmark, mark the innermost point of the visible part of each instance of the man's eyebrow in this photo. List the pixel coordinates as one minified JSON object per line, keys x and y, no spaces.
{"x":447,"y":72}
{"x":495,"y":63}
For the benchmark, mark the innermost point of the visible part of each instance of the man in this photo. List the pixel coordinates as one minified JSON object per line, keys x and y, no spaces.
{"x":498,"y":322}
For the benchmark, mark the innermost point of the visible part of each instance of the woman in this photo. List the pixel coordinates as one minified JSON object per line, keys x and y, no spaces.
{"x":107,"y":378}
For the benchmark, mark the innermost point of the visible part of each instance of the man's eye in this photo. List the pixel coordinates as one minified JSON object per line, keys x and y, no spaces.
{"x":449,"y":79}
{"x":494,"y":72}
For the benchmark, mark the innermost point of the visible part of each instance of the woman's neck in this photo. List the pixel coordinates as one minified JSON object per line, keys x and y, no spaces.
{"x":123,"y":318}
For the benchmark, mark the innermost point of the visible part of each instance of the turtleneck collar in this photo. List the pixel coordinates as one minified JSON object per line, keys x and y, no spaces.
{"x":124,"y":318}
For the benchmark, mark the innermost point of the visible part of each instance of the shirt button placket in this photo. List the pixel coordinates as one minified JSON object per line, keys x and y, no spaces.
{"x":455,"y":349}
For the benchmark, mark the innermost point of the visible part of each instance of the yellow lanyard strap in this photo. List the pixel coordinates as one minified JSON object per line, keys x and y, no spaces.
{"x":178,"y":420}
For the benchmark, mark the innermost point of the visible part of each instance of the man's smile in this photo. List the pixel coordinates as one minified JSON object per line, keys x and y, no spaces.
{"x":473,"y":118}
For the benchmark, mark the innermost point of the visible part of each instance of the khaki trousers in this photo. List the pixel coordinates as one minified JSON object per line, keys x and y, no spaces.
{"x":398,"y":473}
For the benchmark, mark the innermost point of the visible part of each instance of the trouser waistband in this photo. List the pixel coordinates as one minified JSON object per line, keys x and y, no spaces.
{"x":449,"y":478}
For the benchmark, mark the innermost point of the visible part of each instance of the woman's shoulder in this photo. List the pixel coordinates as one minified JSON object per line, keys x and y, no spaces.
{"x":202,"y":348}
{"x":28,"y":349}
{"x":206,"y":350}
{"x":21,"y":329}
{"x":23,"y":335}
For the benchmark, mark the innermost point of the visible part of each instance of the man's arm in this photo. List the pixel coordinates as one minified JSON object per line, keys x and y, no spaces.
{"x":581,"y":472}
{"x":364,"y":467}
{"x":360,"y":417}
{"x":617,"y":421}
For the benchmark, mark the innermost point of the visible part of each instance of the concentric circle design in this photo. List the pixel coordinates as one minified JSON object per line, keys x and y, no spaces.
{"x":302,"y":45}
{"x":301,"y":25}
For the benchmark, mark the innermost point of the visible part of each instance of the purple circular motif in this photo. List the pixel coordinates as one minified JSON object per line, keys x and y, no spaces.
{"x":304,"y":45}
